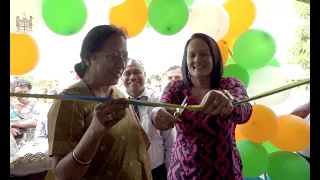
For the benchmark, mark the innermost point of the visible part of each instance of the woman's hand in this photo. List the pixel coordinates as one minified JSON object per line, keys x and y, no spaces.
{"x":13,"y":124}
{"x":163,"y":119}
{"x":15,"y":132}
{"x":216,"y":102}
{"x":109,"y":113}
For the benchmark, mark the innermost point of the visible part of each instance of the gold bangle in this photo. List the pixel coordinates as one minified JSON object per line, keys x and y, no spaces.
{"x":79,"y":161}
{"x":228,"y":94}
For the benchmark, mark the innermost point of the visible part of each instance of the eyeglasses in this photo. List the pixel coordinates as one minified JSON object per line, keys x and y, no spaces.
{"x":116,"y":57}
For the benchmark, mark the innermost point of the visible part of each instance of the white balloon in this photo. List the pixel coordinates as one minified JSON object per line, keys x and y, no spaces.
{"x":211,"y":19}
{"x":24,"y":15}
{"x":116,"y":2}
{"x":266,"y":79}
{"x":108,"y":3}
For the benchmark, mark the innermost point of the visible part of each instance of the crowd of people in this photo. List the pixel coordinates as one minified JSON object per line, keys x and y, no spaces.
{"x":116,"y":140}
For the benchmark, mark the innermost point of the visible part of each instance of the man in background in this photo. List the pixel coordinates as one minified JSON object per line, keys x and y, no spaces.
{"x":159,"y":152}
{"x":55,"y":85}
{"x":41,"y":128}
{"x":155,"y":83}
{"x":173,"y":73}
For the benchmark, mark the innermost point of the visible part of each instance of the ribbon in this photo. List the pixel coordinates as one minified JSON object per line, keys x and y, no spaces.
{"x":157,"y":104}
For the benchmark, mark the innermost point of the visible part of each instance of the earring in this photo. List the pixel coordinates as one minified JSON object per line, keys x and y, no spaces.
{"x":189,"y":75}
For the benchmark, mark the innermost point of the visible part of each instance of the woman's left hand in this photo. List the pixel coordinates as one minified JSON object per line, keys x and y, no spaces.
{"x":216,"y":102}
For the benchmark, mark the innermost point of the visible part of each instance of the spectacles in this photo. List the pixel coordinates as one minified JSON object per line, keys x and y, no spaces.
{"x":117,"y":57}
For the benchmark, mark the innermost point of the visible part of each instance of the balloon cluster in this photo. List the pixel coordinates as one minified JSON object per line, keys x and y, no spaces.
{"x":165,"y":17}
{"x":62,"y":17}
{"x":248,"y":54}
{"x":267,"y":144}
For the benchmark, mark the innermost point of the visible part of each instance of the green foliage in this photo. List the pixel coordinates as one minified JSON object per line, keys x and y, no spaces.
{"x":301,"y":50}
{"x":38,"y":83}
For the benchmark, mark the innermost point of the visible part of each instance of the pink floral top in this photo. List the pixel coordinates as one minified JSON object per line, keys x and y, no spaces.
{"x":205,"y":147}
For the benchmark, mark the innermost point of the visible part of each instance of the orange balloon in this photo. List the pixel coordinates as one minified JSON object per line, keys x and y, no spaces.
{"x":242,"y":14}
{"x":238,"y":135}
{"x":293,"y":134}
{"x":132,"y":15}
{"x":262,"y":125}
{"x":224,"y":51}
{"x":229,"y":43}
{"x":24,"y":54}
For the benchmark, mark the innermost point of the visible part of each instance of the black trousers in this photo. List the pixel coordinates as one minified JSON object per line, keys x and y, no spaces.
{"x":159,"y":173}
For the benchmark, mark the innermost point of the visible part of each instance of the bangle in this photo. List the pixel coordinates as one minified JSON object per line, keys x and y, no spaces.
{"x":79,"y":161}
{"x":228,"y":94}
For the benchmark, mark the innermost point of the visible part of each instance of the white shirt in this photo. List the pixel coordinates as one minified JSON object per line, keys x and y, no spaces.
{"x":162,"y":142}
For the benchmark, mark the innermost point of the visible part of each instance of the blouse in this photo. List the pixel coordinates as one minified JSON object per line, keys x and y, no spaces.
{"x":122,"y":152}
{"x":205,"y":147}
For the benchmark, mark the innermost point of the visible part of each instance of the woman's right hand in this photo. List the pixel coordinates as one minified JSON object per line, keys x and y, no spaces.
{"x":108,"y":113}
{"x":163,"y":119}
{"x":15,"y":131}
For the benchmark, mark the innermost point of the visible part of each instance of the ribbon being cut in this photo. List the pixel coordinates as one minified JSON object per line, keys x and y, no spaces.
{"x":156,"y":104}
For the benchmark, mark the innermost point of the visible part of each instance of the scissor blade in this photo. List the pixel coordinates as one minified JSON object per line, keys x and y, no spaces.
{"x":184,"y":101}
{"x":184,"y":104}
{"x":182,"y":109}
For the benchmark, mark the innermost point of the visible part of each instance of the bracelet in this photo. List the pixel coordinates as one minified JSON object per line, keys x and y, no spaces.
{"x":79,"y":161}
{"x":228,"y":94}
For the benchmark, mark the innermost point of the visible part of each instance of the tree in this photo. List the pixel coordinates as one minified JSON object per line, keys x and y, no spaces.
{"x":38,"y":83}
{"x":301,"y":50}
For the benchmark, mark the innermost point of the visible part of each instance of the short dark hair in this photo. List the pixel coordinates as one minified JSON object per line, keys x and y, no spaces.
{"x":22,"y":83}
{"x":93,"y":42}
{"x":173,"y":68}
{"x":216,"y":58}
{"x":136,"y":61}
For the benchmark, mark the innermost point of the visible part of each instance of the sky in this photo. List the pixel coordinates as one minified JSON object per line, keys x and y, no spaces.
{"x":58,"y":54}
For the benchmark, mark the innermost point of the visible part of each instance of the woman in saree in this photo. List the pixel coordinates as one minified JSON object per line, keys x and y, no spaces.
{"x":92,"y":140}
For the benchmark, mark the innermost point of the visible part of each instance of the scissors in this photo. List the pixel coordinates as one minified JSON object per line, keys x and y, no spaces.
{"x":179,"y":111}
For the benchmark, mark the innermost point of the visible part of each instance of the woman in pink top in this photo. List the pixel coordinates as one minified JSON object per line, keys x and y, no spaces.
{"x":205,"y":147}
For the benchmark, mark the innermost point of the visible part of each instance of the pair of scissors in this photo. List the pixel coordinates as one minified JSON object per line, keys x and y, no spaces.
{"x":179,"y":111}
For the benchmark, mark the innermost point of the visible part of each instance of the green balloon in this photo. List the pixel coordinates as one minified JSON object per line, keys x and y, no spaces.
{"x":254,"y":49}
{"x":274,"y":62}
{"x":237,"y":71}
{"x":64,"y":17}
{"x":250,"y":72}
{"x":254,"y":158}
{"x":189,"y":2}
{"x":148,"y":25}
{"x":230,"y":61}
{"x":270,"y":147}
{"x":168,"y":17}
{"x":287,"y":165}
